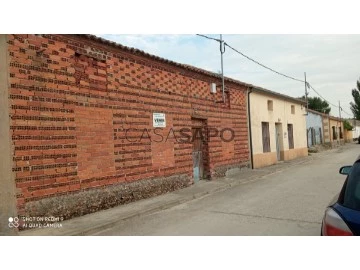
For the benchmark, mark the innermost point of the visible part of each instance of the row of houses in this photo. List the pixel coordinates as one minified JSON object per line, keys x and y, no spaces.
{"x":87,"y":124}
{"x":325,"y":129}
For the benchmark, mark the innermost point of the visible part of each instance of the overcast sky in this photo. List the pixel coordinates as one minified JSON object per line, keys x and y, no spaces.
{"x":331,"y":62}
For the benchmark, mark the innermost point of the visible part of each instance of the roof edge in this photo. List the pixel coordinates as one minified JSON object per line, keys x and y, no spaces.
{"x":184,"y":66}
{"x":316,"y":112}
{"x":272,"y":93}
{"x":157,"y":58}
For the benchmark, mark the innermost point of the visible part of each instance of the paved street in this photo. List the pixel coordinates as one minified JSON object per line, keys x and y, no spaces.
{"x":289,"y":202}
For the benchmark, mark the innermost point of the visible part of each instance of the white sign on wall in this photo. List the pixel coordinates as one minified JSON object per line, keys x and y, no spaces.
{"x":159,"y":120}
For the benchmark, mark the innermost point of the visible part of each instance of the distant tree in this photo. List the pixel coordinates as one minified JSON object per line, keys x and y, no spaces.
{"x":355,"y":106}
{"x":317,"y":104}
{"x":347,"y":125}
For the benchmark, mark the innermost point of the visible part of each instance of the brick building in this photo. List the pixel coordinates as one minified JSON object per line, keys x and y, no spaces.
{"x":78,"y":124}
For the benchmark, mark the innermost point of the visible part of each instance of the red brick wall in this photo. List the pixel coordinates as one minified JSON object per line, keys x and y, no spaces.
{"x":72,"y":98}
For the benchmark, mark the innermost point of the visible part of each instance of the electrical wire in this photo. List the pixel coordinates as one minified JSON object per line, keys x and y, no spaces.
{"x":208,"y":37}
{"x":322,"y":96}
{"x":308,"y":84}
{"x":346,"y":112}
{"x":256,"y":62}
{"x":279,"y":73}
{"x":225,"y":44}
{"x":336,"y":106}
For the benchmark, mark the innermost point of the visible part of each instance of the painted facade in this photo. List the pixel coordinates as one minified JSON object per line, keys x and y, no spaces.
{"x":356,"y":129}
{"x":314,"y":128}
{"x":336,"y":128}
{"x":279,"y":113}
{"x":326,"y":127}
{"x":348,"y":135}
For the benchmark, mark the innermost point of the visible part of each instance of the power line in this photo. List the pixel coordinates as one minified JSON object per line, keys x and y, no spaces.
{"x":256,"y":62}
{"x":209,"y":37}
{"x":336,"y":106}
{"x":346,"y":112}
{"x":279,"y":73}
{"x":322,"y":96}
{"x":309,"y":85}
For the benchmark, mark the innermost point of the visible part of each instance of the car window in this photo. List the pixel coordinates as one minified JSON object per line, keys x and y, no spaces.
{"x":351,"y":197}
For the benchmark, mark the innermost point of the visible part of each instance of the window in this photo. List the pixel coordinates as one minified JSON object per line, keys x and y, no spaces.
{"x":270,"y":105}
{"x":265,"y":136}
{"x":313,"y":136}
{"x":340,"y":133}
{"x":290,"y":136}
{"x":292,"y":109}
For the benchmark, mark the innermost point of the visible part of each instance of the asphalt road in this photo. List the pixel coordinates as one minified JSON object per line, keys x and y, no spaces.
{"x":289,"y":202}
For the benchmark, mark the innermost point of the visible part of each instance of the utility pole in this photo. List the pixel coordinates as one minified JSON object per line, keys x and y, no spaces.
{"x":306,"y":95}
{"x":339,"y":110}
{"x":340,"y":131}
{"x":222,"y":51}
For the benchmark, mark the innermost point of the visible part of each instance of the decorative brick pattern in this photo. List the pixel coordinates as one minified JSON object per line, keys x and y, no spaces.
{"x":72,"y":99}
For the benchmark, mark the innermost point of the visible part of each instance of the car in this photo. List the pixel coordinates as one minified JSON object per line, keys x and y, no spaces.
{"x":342,"y":216}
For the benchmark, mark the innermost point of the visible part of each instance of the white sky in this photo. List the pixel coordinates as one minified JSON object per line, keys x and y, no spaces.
{"x":331,"y":62}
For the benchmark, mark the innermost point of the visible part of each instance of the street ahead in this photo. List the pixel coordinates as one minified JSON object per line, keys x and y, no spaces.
{"x":289,"y":202}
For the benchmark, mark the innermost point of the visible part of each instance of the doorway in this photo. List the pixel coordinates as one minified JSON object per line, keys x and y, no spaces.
{"x":279,"y":140}
{"x":200,"y":156}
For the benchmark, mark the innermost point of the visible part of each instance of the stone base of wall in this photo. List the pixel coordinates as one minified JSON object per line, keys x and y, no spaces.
{"x":221,"y":170}
{"x":335,"y":144}
{"x":93,"y":200}
{"x":338,"y":143}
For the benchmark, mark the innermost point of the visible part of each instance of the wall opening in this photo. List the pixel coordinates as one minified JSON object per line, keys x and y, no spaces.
{"x":265,"y":137}
{"x":290,"y":136}
{"x":292,"y":109}
{"x":279,"y":141}
{"x":200,"y":150}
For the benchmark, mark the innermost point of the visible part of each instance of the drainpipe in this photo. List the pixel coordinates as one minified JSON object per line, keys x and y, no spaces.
{"x":249,"y":91}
